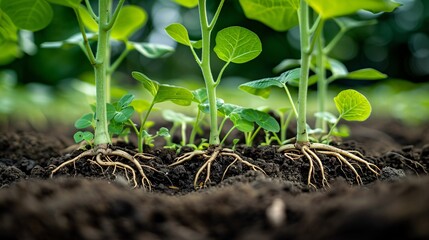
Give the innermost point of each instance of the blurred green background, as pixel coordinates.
(53, 85)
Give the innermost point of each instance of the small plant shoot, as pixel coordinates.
(351, 105)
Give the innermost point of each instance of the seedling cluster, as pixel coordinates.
(233, 45)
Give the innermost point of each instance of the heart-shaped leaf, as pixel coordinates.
(352, 105)
(279, 15)
(237, 45)
(81, 136)
(31, 15)
(263, 119)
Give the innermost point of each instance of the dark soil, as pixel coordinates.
(84, 201)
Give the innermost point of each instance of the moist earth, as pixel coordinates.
(87, 201)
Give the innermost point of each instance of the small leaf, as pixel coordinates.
(335, 8)
(178, 33)
(66, 3)
(125, 100)
(115, 128)
(123, 115)
(81, 136)
(263, 87)
(200, 95)
(187, 3)
(366, 74)
(227, 108)
(336, 67)
(148, 84)
(85, 121)
(152, 50)
(31, 15)
(197, 44)
(163, 132)
(279, 15)
(263, 119)
(178, 95)
(237, 45)
(352, 105)
(240, 123)
(110, 112)
(130, 19)
(74, 40)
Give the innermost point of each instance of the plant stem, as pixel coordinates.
(102, 137)
(207, 73)
(302, 134)
(322, 83)
(143, 122)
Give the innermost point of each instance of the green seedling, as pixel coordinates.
(111, 22)
(160, 93)
(262, 88)
(282, 15)
(233, 45)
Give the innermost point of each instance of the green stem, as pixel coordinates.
(195, 128)
(302, 135)
(207, 73)
(334, 41)
(102, 137)
(290, 100)
(322, 84)
(120, 59)
(143, 122)
(91, 12)
(87, 47)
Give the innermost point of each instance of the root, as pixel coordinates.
(209, 159)
(310, 153)
(103, 159)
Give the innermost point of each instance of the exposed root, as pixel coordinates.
(404, 161)
(310, 152)
(102, 158)
(209, 158)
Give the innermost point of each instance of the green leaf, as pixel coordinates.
(165, 92)
(178, 95)
(200, 95)
(237, 45)
(187, 3)
(227, 108)
(85, 121)
(178, 33)
(336, 67)
(163, 132)
(240, 123)
(31, 15)
(110, 112)
(130, 19)
(152, 50)
(74, 40)
(81, 136)
(279, 15)
(366, 74)
(126, 100)
(262, 87)
(66, 3)
(87, 20)
(263, 119)
(352, 105)
(148, 84)
(115, 128)
(123, 115)
(335, 8)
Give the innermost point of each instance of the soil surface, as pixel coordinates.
(84, 200)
